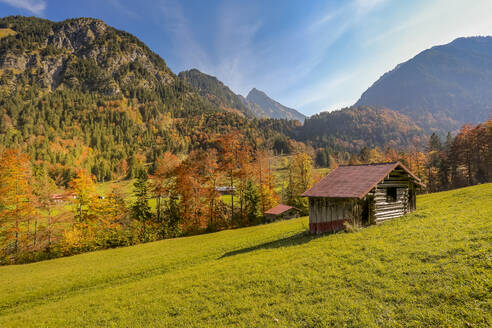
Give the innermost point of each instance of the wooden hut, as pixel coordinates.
(281, 212)
(226, 190)
(361, 195)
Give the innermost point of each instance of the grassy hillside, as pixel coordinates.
(431, 268)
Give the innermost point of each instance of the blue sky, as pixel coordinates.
(310, 55)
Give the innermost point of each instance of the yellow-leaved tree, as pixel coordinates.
(300, 178)
(268, 196)
(17, 204)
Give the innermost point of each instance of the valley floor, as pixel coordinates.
(430, 268)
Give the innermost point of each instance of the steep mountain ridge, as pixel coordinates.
(263, 106)
(441, 88)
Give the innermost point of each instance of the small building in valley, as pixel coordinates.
(226, 190)
(281, 212)
(61, 198)
(361, 195)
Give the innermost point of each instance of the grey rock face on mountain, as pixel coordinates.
(80, 53)
(441, 88)
(263, 106)
(254, 108)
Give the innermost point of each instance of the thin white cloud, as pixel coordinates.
(36, 7)
(367, 5)
(121, 7)
(320, 94)
(329, 17)
(323, 93)
(242, 62)
(172, 18)
(236, 51)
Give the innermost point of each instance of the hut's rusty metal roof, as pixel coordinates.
(355, 181)
(279, 209)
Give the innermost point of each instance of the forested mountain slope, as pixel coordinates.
(83, 54)
(215, 91)
(442, 87)
(352, 128)
(79, 93)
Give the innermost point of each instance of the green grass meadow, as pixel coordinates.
(432, 268)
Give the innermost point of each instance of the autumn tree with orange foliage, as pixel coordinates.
(472, 154)
(164, 188)
(17, 204)
(190, 201)
(455, 162)
(163, 179)
(210, 175)
(245, 180)
(229, 146)
(266, 181)
(44, 189)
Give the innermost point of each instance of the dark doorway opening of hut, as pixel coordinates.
(391, 193)
(367, 210)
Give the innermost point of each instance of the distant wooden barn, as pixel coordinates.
(361, 195)
(60, 198)
(281, 212)
(226, 190)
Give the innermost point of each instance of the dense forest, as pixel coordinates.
(111, 137)
(353, 128)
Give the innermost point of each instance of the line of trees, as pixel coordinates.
(455, 162)
(464, 160)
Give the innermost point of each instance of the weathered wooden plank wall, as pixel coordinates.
(329, 214)
(384, 209)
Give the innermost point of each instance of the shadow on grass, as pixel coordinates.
(294, 240)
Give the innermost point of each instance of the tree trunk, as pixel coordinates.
(159, 208)
(49, 227)
(231, 185)
(35, 232)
